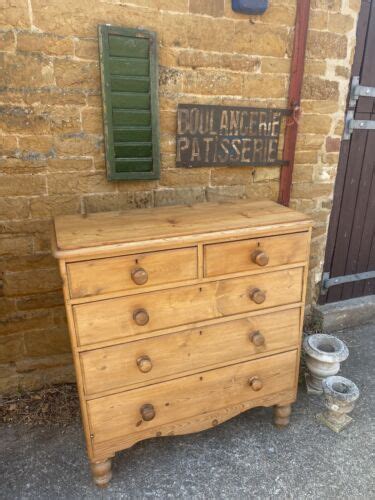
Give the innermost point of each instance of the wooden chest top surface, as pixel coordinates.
(110, 228)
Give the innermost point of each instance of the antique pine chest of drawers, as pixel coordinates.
(181, 317)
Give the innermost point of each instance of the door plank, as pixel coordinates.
(365, 104)
(349, 197)
(353, 263)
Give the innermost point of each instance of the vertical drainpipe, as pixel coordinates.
(294, 98)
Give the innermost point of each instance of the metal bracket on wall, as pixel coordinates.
(327, 282)
(357, 91)
(351, 124)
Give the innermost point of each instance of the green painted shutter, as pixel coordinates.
(129, 72)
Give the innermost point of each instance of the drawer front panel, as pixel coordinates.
(255, 254)
(118, 415)
(146, 360)
(127, 316)
(130, 272)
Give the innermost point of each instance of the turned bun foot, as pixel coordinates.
(281, 415)
(101, 472)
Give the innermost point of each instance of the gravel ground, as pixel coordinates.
(243, 458)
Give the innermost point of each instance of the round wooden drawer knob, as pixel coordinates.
(144, 364)
(255, 383)
(141, 317)
(139, 276)
(257, 295)
(260, 257)
(257, 338)
(147, 412)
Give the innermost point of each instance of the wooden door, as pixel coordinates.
(351, 237)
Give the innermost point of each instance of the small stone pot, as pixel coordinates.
(324, 353)
(340, 395)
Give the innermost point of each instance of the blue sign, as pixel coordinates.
(250, 6)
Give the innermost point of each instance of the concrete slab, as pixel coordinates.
(243, 458)
(345, 314)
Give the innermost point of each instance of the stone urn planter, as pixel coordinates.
(340, 395)
(324, 353)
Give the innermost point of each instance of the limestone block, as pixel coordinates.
(8, 145)
(83, 182)
(213, 8)
(318, 20)
(28, 282)
(7, 41)
(14, 14)
(52, 205)
(11, 347)
(77, 144)
(343, 71)
(92, 120)
(306, 157)
(36, 147)
(216, 34)
(185, 177)
(262, 190)
(310, 191)
(257, 39)
(262, 174)
(23, 119)
(319, 88)
(212, 82)
(275, 65)
(45, 44)
(64, 119)
(77, 74)
(25, 70)
(265, 86)
(11, 246)
(334, 5)
(39, 301)
(65, 165)
(232, 176)
(340, 23)
(310, 141)
(22, 185)
(169, 196)
(315, 124)
(319, 106)
(323, 45)
(86, 48)
(45, 342)
(14, 208)
(224, 193)
(235, 62)
(333, 144)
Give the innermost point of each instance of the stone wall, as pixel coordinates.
(52, 159)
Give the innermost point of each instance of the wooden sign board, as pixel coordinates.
(228, 136)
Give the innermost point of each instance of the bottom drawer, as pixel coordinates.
(114, 417)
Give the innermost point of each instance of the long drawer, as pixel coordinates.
(252, 254)
(146, 360)
(131, 272)
(128, 316)
(113, 417)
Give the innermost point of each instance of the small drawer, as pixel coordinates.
(249, 255)
(117, 416)
(131, 272)
(124, 317)
(146, 360)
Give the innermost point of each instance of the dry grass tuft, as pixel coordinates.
(57, 405)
